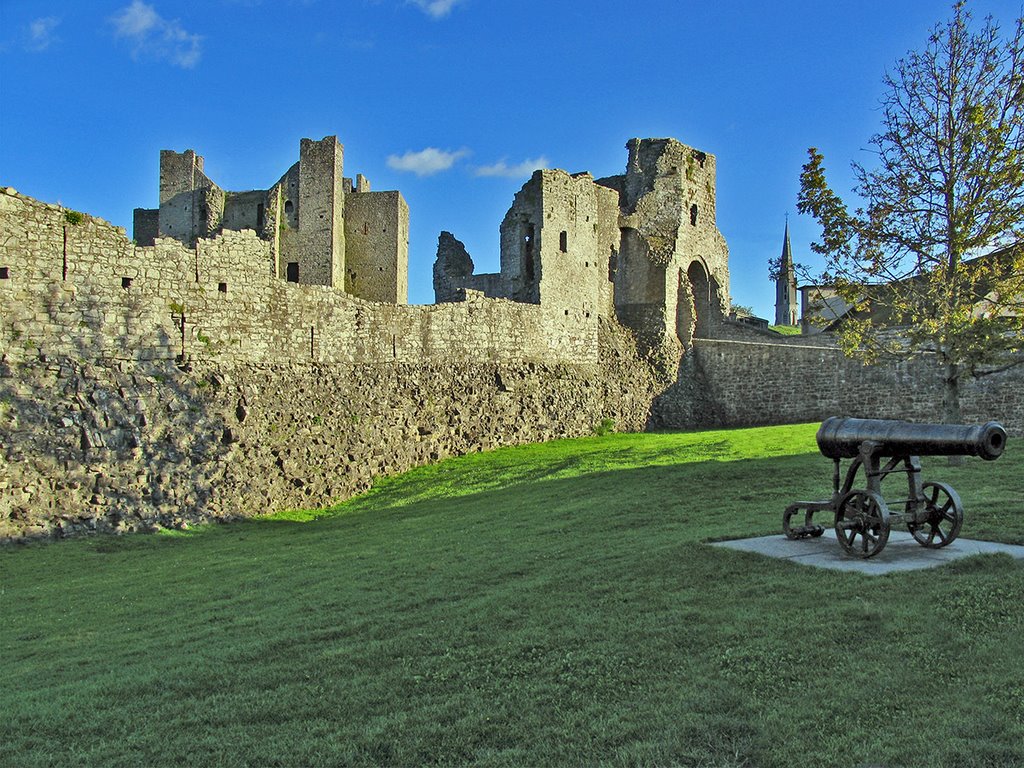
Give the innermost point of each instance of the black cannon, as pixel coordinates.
(931, 511)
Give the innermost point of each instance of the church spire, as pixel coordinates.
(785, 285)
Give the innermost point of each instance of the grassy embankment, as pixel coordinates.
(545, 605)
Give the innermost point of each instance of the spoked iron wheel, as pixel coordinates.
(862, 523)
(944, 514)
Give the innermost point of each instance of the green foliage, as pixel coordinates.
(786, 330)
(604, 427)
(948, 186)
(74, 218)
(542, 605)
(177, 308)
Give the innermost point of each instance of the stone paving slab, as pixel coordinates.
(901, 552)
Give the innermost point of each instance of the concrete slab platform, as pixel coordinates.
(901, 552)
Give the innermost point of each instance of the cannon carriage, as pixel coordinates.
(862, 516)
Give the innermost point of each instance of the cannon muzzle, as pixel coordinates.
(841, 438)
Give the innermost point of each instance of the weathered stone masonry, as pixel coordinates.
(292, 395)
(253, 351)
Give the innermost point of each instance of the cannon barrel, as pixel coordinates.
(841, 438)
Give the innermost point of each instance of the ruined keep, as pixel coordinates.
(642, 247)
(322, 229)
(254, 351)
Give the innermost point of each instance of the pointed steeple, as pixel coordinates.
(785, 285)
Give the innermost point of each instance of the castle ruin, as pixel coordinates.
(253, 351)
(642, 247)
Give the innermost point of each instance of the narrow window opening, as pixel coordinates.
(126, 283)
(222, 287)
(528, 251)
(693, 214)
(563, 241)
(567, 313)
(5, 273)
(203, 213)
(366, 229)
(259, 216)
(288, 206)
(293, 272)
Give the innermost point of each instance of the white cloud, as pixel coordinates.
(501, 168)
(155, 37)
(427, 161)
(436, 9)
(40, 33)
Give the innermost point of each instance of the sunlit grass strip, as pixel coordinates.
(561, 459)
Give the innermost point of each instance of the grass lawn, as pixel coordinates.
(545, 605)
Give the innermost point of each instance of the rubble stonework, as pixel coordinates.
(643, 247)
(161, 385)
(321, 229)
(253, 351)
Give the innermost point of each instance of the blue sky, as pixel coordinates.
(452, 101)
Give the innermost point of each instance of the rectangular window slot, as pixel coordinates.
(563, 241)
(126, 283)
(222, 287)
(5, 273)
(293, 272)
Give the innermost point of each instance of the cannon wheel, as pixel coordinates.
(945, 516)
(862, 514)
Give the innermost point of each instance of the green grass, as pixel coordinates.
(786, 330)
(544, 605)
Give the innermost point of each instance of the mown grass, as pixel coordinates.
(545, 605)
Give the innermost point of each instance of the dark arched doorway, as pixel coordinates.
(697, 303)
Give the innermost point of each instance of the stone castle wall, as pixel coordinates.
(377, 246)
(163, 385)
(748, 383)
(122, 301)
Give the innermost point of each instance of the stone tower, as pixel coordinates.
(785, 286)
